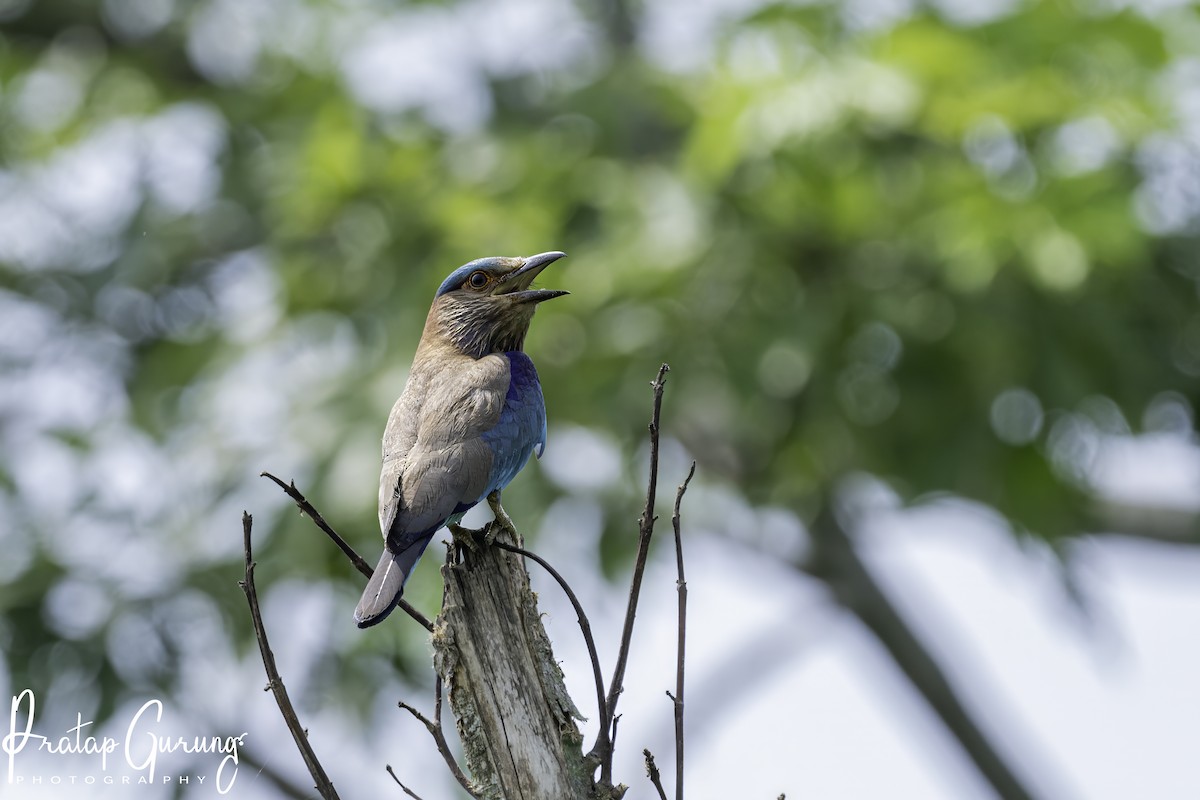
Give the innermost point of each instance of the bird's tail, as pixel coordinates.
(387, 584)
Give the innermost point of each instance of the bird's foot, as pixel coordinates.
(469, 538)
(501, 522)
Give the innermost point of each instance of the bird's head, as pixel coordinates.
(485, 306)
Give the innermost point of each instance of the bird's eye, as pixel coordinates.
(478, 280)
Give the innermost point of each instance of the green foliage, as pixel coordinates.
(847, 243)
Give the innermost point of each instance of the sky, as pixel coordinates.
(1086, 678)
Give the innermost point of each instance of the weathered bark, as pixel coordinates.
(514, 716)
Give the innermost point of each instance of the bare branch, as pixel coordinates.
(275, 682)
(645, 530)
(681, 646)
(429, 724)
(439, 739)
(307, 508)
(654, 775)
(407, 790)
(358, 561)
(584, 625)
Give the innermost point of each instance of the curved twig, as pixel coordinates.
(584, 625)
(274, 681)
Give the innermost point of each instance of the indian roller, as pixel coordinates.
(469, 417)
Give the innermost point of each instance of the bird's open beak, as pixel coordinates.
(516, 283)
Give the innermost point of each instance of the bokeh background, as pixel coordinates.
(925, 273)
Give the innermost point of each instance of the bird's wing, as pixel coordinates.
(521, 428)
(398, 439)
(446, 468)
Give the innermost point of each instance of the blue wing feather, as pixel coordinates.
(521, 429)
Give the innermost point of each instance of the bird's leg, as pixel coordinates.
(473, 538)
(502, 521)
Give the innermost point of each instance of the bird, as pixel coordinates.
(469, 417)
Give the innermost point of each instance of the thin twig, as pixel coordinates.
(407, 790)
(275, 682)
(358, 561)
(645, 530)
(439, 739)
(584, 625)
(681, 646)
(654, 775)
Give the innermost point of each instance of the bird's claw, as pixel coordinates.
(468, 538)
(478, 538)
